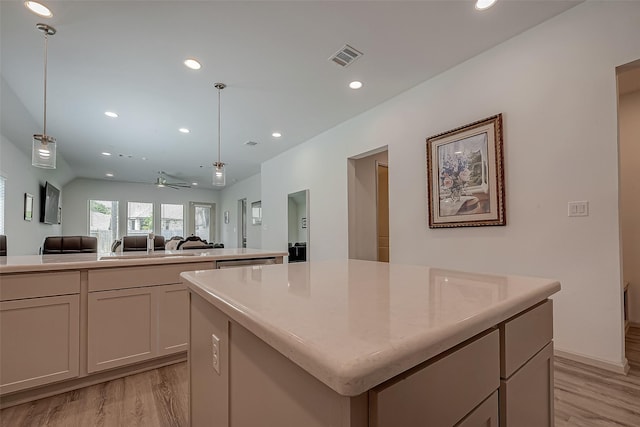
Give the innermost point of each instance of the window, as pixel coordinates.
(2, 186)
(139, 218)
(171, 220)
(103, 222)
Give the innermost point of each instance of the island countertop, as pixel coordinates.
(355, 324)
(57, 262)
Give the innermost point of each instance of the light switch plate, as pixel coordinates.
(580, 208)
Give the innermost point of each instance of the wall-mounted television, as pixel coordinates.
(50, 212)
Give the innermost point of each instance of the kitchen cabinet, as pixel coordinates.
(122, 327)
(173, 319)
(45, 347)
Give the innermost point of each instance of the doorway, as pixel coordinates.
(298, 226)
(242, 223)
(629, 162)
(202, 220)
(368, 205)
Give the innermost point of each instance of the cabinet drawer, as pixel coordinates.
(485, 415)
(134, 277)
(526, 399)
(20, 286)
(433, 394)
(523, 336)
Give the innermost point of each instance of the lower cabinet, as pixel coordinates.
(45, 348)
(127, 326)
(526, 398)
(173, 319)
(485, 415)
(121, 327)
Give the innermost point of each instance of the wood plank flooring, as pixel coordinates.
(156, 398)
(587, 396)
(584, 397)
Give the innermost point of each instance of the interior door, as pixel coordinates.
(382, 173)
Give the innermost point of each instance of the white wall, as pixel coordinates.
(18, 127)
(629, 121)
(555, 85)
(78, 192)
(246, 189)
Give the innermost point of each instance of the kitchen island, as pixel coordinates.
(358, 343)
(72, 320)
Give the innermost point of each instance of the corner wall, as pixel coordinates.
(250, 189)
(556, 87)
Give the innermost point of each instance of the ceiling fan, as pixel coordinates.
(162, 181)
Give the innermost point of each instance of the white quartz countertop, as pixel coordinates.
(33, 263)
(354, 324)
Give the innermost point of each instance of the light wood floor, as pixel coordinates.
(156, 398)
(584, 397)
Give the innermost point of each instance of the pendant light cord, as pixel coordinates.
(219, 125)
(44, 132)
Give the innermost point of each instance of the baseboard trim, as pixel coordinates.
(591, 361)
(25, 396)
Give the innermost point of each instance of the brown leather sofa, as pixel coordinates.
(70, 245)
(3, 245)
(139, 243)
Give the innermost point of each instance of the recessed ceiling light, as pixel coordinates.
(106, 154)
(38, 9)
(192, 63)
(108, 174)
(111, 114)
(194, 183)
(355, 85)
(276, 134)
(143, 158)
(184, 130)
(484, 4)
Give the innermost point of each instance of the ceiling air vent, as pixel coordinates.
(251, 143)
(345, 56)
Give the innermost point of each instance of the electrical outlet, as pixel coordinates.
(215, 350)
(579, 208)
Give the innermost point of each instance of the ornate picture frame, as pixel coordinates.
(465, 176)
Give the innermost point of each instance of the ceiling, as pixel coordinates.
(126, 56)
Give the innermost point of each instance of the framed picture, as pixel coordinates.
(226, 217)
(28, 207)
(465, 176)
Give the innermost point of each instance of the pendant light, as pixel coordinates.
(43, 154)
(218, 167)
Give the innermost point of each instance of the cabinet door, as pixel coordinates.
(526, 398)
(39, 338)
(173, 319)
(122, 328)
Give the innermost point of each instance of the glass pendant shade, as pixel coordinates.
(43, 154)
(218, 174)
